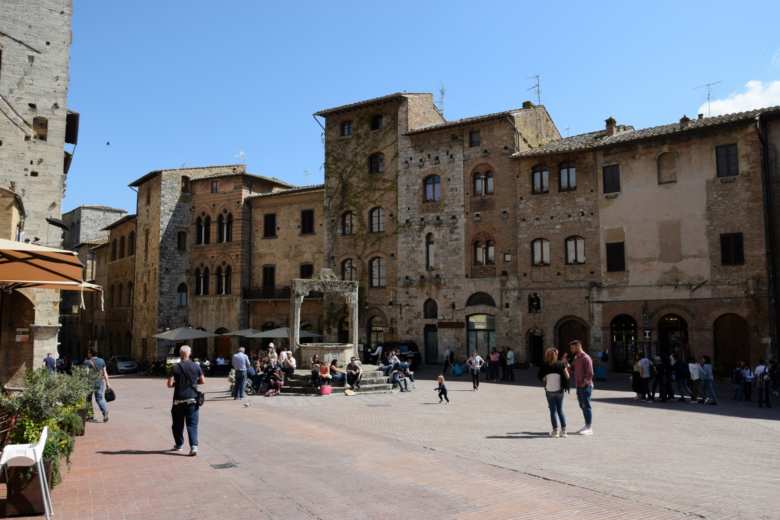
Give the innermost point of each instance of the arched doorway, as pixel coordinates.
(672, 336)
(622, 333)
(481, 334)
(431, 340)
(732, 342)
(375, 332)
(569, 329)
(223, 345)
(535, 342)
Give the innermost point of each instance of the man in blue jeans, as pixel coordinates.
(241, 364)
(583, 376)
(184, 376)
(97, 366)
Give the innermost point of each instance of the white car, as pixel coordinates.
(122, 365)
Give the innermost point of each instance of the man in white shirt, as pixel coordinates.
(695, 370)
(645, 374)
(475, 363)
(510, 365)
(763, 385)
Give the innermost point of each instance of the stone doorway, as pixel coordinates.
(569, 329)
(535, 342)
(732, 343)
(623, 342)
(672, 336)
(431, 338)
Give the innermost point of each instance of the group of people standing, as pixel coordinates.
(761, 378)
(267, 371)
(669, 375)
(500, 364)
(556, 373)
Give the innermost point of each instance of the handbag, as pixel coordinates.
(110, 394)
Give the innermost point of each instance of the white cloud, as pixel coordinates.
(757, 94)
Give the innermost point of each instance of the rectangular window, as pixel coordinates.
(568, 178)
(269, 225)
(269, 277)
(731, 249)
(307, 222)
(541, 180)
(307, 270)
(611, 178)
(727, 160)
(346, 128)
(474, 139)
(214, 186)
(616, 257)
(377, 121)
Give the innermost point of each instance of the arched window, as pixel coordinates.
(429, 252)
(479, 253)
(490, 252)
(198, 282)
(120, 298)
(113, 296)
(376, 220)
(229, 228)
(430, 309)
(348, 271)
(432, 188)
(575, 250)
(206, 279)
(181, 240)
(130, 293)
(667, 167)
(227, 284)
(220, 228)
(198, 231)
(220, 280)
(121, 247)
(483, 183)
(376, 331)
(113, 249)
(181, 295)
(540, 252)
(540, 179)
(347, 223)
(376, 163)
(207, 230)
(567, 178)
(131, 244)
(376, 270)
(480, 298)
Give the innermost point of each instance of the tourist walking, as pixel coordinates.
(50, 363)
(555, 377)
(707, 382)
(747, 382)
(442, 389)
(763, 384)
(583, 377)
(241, 364)
(511, 360)
(475, 363)
(97, 366)
(184, 376)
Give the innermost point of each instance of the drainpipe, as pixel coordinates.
(769, 230)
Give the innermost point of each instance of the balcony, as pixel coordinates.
(272, 293)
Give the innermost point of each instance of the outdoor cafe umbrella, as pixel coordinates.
(283, 333)
(244, 333)
(183, 334)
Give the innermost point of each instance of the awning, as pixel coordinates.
(183, 334)
(24, 265)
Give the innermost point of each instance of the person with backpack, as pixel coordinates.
(97, 366)
(186, 400)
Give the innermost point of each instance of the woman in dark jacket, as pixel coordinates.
(555, 377)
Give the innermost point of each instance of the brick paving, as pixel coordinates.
(486, 455)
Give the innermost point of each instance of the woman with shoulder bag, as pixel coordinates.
(555, 376)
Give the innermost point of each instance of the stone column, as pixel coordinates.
(297, 298)
(352, 300)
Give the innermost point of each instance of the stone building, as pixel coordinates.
(11, 215)
(172, 246)
(288, 242)
(35, 125)
(668, 264)
(115, 337)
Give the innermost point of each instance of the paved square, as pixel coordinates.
(486, 455)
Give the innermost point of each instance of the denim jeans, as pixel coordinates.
(182, 414)
(100, 397)
(238, 387)
(709, 390)
(555, 403)
(583, 398)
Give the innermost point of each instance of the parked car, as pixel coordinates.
(407, 351)
(122, 365)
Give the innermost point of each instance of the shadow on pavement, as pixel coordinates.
(724, 407)
(521, 435)
(142, 452)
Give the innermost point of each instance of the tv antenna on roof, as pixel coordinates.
(537, 86)
(708, 86)
(440, 102)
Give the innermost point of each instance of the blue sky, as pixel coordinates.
(170, 83)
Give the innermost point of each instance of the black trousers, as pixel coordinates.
(764, 393)
(443, 395)
(475, 378)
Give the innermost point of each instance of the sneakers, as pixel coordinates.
(176, 448)
(105, 418)
(555, 433)
(586, 430)
(563, 433)
(193, 451)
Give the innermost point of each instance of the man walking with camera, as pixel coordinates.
(184, 376)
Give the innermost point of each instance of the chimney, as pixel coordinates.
(684, 121)
(611, 126)
(701, 116)
(528, 104)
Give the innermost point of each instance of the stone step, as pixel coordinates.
(362, 392)
(308, 389)
(307, 381)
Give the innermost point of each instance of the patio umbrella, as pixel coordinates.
(183, 334)
(244, 333)
(283, 333)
